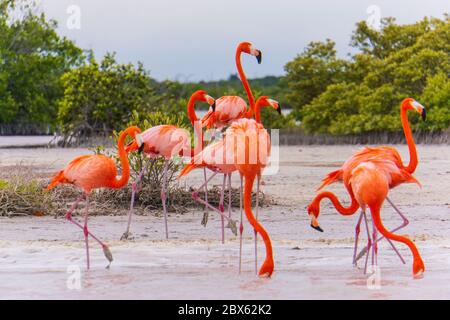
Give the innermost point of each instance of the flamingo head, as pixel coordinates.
(411, 104)
(202, 95)
(137, 143)
(248, 48)
(313, 212)
(265, 101)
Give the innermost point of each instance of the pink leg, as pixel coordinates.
(369, 241)
(164, 196)
(206, 213)
(241, 227)
(229, 195)
(69, 217)
(207, 205)
(357, 232)
(221, 207)
(404, 224)
(375, 246)
(86, 231)
(231, 222)
(134, 188)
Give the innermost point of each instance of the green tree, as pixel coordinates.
(311, 72)
(396, 62)
(101, 97)
(33, 57)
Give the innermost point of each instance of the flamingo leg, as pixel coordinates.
(86, 231)
(134, 189)
(196, 198)
(221, 207)
(206, 213)
(374, 247)
(369, 241)
(164, 196)
(241, 226)
(231, 222)
(229, 195)
(256, 217)
(357, 232)
(404, 224)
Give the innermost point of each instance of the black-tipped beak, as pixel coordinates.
(279, 110)
(259, 57)
(424, 114)
(141, 148)
(213, 106)
(317, 228)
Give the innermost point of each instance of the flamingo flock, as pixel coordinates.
(244, 149)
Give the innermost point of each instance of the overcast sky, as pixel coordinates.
(196, 39)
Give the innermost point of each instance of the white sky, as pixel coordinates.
(196, 39)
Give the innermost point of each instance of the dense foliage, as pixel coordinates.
(33, 57)
(362, 94)
(47, 81)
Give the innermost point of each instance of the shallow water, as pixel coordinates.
(39, 256)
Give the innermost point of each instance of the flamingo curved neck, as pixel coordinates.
(346, 211)
(251, 99)
(257, 110)
(409, 140)
(196, 124)
(248, 186)
(119, 183)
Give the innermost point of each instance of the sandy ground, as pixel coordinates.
(42, 257)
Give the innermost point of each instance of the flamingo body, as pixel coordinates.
(164, 140)
(228, 109)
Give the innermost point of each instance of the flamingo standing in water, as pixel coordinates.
(229, 109)
(370, 183)
(166, 141)
(91, 172)
(219, 158)
(399, 174)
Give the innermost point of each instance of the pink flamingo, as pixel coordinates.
(229, 109)
(91, 172)
(218, 157)
(166, 141)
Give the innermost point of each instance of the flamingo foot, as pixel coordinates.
(221, 208)
(128, 235)
(195, 195)
(108, 255)
(232, 224)
(205, 218)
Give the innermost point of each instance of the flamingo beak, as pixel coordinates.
(420, 109)
(140, 143)
(315, 223)
(141, 148)
(424, 114)
(213, 107)
(259, 56)
(279, 109)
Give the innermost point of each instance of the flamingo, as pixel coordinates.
(91, 172)
(398, 175)
(370, 183)
(218, 158)
(231, 108)
(228, 109)
(166, 141)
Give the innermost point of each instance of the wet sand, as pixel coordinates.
(36, 254)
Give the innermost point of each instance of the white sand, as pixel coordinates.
(35, 253)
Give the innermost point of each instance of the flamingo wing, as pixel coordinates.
(228, 109)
